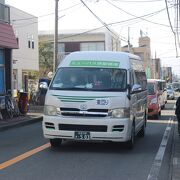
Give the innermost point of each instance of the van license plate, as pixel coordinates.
(82, 135)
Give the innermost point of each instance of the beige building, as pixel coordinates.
(156, 68)
(82, 40)
(26, 58)
(144, 51)
(166, 74)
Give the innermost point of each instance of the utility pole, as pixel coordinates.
(129, 39)
(56, 37)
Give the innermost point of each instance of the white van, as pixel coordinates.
(96, 96)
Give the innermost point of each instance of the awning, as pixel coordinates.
(7, 37)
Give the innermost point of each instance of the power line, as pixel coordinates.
(109, 24)
(134, 15)
(103, 23)
(27, 24)
(145, 1)
(23, 19)
(172, 28)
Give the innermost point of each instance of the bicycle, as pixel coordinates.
(11, 108)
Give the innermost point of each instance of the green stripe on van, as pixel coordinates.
(89, 63)
(79, 98)
(72, 100)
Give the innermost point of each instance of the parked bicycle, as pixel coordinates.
(11, 108)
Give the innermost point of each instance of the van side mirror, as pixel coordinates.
(43, 85)
(136, 88)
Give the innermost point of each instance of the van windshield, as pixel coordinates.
(89, 79)
(150, 88)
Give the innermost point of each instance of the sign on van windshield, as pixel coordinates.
(89, 63)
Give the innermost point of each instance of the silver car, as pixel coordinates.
(170, 92)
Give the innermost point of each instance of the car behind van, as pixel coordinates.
(154, 104)
(162, 92)
(98, 96)
(170, 92)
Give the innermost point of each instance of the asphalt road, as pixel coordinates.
(22, 156)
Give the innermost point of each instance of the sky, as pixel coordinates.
(123, 13)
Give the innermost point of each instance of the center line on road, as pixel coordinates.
(23, 156)
(155, 169)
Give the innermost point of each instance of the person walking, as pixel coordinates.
(177, 112)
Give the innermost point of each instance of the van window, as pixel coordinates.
(140, 78)
(95, 79)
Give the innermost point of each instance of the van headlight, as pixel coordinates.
(120, 113)
(153, 101)
(51, 110)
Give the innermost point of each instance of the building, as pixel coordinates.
(26, 58)
(166, 74)
(144, 51)
(82, 40)
(7, 43)
(156, 68)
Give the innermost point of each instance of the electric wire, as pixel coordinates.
(177, 21)
(27, 24)
(102, 22)
(109, 24)
(175, 40)
(133, 14)
(147, 1)
(23, 19)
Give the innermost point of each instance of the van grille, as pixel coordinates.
(86, 113)
(92, 128)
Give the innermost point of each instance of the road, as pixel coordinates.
(26, 155)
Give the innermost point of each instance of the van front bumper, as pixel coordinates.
(118, 130)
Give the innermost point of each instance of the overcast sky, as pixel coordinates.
(74, 15)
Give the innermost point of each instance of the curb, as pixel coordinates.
(21, 123)
(172, 151)
(175, 157)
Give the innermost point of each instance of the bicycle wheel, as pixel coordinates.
(9, 109)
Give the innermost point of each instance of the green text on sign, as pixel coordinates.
(88, 63)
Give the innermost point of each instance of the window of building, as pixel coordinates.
(32, 41)
(17, 39)
(15, 82)
(29, 44)
(33, 44)
(92, 46)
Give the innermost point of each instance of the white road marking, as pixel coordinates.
(154, 172)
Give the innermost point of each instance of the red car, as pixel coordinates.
(154, 107)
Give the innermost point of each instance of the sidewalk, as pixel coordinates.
(176, 154)
(34, 115)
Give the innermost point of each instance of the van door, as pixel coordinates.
(141, 97)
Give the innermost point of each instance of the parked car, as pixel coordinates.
(170, 92)
(154, 104)
(176, 86)
(162, 92)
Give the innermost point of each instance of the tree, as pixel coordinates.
(45, 58)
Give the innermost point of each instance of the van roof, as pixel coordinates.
(119, 58)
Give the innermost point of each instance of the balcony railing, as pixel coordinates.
(4, 13)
